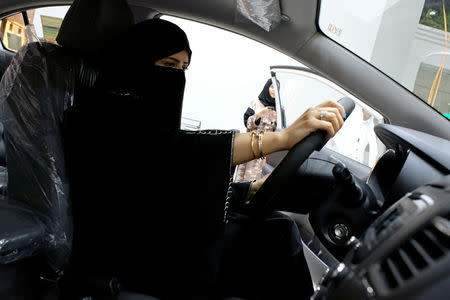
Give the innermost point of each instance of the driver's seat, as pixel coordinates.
(41, 84)
(38, 127)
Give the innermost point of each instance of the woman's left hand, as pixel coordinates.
(254, 187)
(327, 116)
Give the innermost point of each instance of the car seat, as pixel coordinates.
(41, 123)
(39, 86)
(5, 59)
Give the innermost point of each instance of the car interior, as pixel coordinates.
(380, 232)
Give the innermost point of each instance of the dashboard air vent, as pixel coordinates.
(419, 252)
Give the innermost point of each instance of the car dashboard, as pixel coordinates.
(395, 242)
(403, 254)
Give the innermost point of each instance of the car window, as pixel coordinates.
(226, 73)
(407, 40)
(32, 25)
(300, 89)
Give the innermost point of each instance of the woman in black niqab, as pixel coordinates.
(154, 214)
(160, 191)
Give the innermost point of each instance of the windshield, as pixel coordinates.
(407, 40)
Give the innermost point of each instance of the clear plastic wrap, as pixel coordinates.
(264, 13)
(35, 90)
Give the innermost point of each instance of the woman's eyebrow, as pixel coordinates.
(177, 60)
(174, 59)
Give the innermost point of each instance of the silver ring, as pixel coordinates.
(322, 115)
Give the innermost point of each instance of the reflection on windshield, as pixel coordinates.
(299, 90)
(434, 15)
(405, 39)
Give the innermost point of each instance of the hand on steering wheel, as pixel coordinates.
(313, 128)
(328, 116)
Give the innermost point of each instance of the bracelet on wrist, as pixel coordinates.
(252, 144)
(258, 136)
(260, 143)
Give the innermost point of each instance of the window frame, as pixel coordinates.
(25, 13)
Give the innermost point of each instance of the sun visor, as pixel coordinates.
(264, 13)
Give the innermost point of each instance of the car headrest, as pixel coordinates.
(91, 24)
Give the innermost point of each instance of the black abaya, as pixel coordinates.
(148, 198)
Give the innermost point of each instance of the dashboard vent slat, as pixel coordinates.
(422, 252)
(430, 246)
(409, 262)
(395, 272)
(415, 256)
(438, 243)
(393, 277)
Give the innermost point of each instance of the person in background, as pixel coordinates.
(359, 141)
(261, 116)
(367, 146)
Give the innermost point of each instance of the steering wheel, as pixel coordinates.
(260, 204)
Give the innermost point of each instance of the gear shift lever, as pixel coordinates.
(352, 193)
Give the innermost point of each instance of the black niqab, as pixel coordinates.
(159, 89)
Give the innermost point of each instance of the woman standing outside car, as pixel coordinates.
(260, 116)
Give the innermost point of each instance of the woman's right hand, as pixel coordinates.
(310, 121)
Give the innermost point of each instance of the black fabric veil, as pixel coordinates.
(157, 196)
(136, 75)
